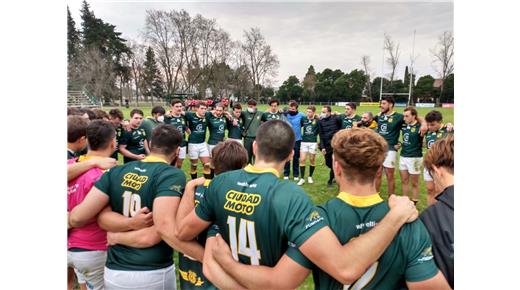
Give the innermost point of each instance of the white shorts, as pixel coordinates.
(308, 147)
(390, 159)
(426, 175)
(182, 153)
(89, 267)
(210, 149)
(411, 164)
(161, 279)
(197, 150)
(237, 140)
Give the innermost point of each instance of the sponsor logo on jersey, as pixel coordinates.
(134, 180)
(176, 187)
(383, 128)
(426, 255)
(390, 120)
(199, 128)
(191, 277)
(313, 219)
(241, 202)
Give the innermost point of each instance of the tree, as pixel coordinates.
(309, 85)
(424, 88)
(393, 60)
(290, 90)
(325, 88)
(73, 37)
(448, 94)
(260, 59)
(137, 64)
(356, 82)
(443, 57)
(365, 61)
(376, 87)
(152, 85)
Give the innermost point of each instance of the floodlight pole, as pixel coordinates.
(411, 70)
(382, 71)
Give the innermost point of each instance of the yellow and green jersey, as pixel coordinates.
(310, 129)
(407, 258)
(217, 128)
(180, 124)
(235, 132)
(347, 122)
(134, 141)
(412, 140)
(267, 116)
(190, 270)
(389, 127)
(148, 124)
(258, 214)
(197, 127)
(131, 187)
(431, 137)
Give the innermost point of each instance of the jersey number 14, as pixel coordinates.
(246, 243)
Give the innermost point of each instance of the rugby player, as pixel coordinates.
(116, 118)
(294, 118)
(227, 156)
(389, 124)
(129, 190)
(133, 144)
(258, 214)
(352, 215)
(217, 129)
(76, 135)
(411, 153)
(235, 124)
(436, 130)
(197, 146)
(176, 118)
(349, 117)
(367, 121)
(272, 113)
(151, 122)
(309, 144)
(87, 245)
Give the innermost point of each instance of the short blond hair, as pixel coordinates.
(360, 153)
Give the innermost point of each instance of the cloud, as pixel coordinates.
(333, 35)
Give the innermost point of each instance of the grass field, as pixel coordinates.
(319, 192)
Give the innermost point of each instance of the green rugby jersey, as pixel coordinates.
(258, 214)
(407, 258)
(346, 122)
(431, 137)
(389, 126)
(251, 122)
(119, 133)
(217, 128)
(197, 126)
(179, 123)
(412, 140)
(134, 141)
(133, 186)
(190, 271)
(310, 129)
(267, 116)
(235, 132)
(148, 125)
(71, 154)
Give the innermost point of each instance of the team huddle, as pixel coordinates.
(241, 226)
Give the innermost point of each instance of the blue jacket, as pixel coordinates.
(296, 125)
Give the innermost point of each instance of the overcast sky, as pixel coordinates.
(327, 35)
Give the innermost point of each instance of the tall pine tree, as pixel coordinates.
(73, 37)
(152, 81)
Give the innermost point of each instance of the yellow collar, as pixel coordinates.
(360, 201)
(86, 157)
(154, 159)
(250, 168)
(206, 182)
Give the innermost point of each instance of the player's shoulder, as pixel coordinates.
(286, 191)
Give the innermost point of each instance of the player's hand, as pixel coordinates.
(188, 130)
(323, 151)
(141, 156)
(104, 163)
(221, 252)
(449, 127)
(423, 129)
(403, 207)
(127, 126)
(235, 122)
(397, 146)
(142, 219)
(111, 238)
